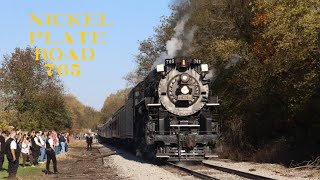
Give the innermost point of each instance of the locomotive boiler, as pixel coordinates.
(171, 114)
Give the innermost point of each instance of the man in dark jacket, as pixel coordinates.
(89, 139)
(36, 145)
(51, 156)
(62, 141)
(13, 152)
(3, 135)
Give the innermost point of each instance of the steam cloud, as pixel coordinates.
(232, 61)
(211, 75)
(175, 43)
(179, 43)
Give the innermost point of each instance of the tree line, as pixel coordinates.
(113, 102)
(30, 99)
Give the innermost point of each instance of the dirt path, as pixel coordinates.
(75, 165)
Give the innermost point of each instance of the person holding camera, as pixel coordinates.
(25, 151)
(13, 153)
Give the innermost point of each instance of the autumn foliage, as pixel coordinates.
(112, 103)
(30, 99)
(265, 60)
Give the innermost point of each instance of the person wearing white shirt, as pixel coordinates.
(37, 148)
(51, 154)
(42, 149)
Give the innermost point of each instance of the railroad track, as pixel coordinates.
(236, 172)
(192, 172)
(211, 175)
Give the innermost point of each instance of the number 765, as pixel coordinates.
(63, 69)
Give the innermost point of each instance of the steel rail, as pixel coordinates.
(236, 172)
(192, 172)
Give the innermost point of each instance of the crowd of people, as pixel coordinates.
(34, 146)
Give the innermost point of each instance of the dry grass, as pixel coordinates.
(77, 144)
(311, 164)
(272, 153)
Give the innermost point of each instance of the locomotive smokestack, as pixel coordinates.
(183, 63)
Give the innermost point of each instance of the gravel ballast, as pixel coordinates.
(129, 166)
(274, 171)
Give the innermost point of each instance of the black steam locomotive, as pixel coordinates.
(168, 115)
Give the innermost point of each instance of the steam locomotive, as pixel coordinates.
(170, 114)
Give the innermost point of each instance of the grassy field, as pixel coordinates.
(23, 173)
(36, 172)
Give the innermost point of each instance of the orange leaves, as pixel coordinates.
(260, 20)
(262, 48)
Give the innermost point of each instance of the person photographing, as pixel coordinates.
(25, 151)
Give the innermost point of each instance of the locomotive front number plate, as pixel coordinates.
(185, 97)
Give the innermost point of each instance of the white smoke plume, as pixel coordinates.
(160, 60)
(232, 61)
(180, 41)
(175, 43)
(188, 37)
(211, 75)
(190, 34)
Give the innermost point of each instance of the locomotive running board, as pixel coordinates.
(162, 156)
(184, 125)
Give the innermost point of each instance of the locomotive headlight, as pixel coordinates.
(185, 90)
(204, 68)
(160, 68)
(185, 78)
